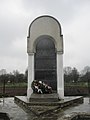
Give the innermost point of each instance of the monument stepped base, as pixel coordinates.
(40, 108)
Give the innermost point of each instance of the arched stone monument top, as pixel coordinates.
(44, 27)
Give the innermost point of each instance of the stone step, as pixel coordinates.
(44, 97)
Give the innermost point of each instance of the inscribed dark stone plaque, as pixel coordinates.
(45, 62)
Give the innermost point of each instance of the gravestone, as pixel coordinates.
(45, 54)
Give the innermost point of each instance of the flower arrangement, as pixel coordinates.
(40, 87)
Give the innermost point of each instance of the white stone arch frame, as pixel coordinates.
(45, 26)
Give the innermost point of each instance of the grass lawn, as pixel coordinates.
(81, 84)
(14, 85)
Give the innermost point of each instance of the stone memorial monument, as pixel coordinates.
(45, 69)
(45, 54)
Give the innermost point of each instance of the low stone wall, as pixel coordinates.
(68, 91)
(13, 91)
(76, 91)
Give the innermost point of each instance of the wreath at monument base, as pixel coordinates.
(40, 87)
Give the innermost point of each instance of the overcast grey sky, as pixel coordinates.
(16, 16)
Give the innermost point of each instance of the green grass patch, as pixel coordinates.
(83, 84)
(10, 85)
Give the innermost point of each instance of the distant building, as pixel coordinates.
(3, 71)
